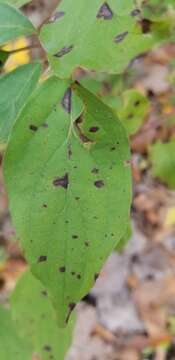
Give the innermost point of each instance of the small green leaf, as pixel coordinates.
(12, 347)
(13, 24)
(97, 35)
(69, 185)
(16, 3)
(133, 109)
(162, 156)
(35, 319)
(15, 88)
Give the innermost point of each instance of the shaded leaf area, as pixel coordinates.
(133, 110)
(13, 24)
(35, 319)
(162, 156)
(4, 55)
(98, 35)
(16, 3)
(68, 161)
(12, 346)
(15, 88)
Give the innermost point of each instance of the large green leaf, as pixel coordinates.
(35, 319)
(12, 347)
(13, 24)
(16, 3)
(15, 88)
(98, 35)
(162, 156)
(69, 187)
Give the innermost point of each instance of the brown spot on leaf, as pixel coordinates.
(42, 258)
(127, 163)
(33, 127)
(44, 205)
(87, 243)
(83, 137)
(73, 273)
(137, 103)
(121, 37)
(135, 12)
(66, 100)
(56, 16)
(94, 129)
(74, 236)
(77, 198)
(65, 50)
(47, 348)
(69, 151)
(78, 276)
(44, 293)
(95, 171)
(99, 183)
(62, 181)
(113, 148)
(105, 12)
(62, 269)
(146, 25)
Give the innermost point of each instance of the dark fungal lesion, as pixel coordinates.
(99, 183)
(95, 171)
(42, 258)
(62, 181)
(105, 12)
(65, 50)
(74, 236)
(62, 269)
(47, 348)
(94, 129)
(135, 12)
(66, 101)
(33, 127)
(120, 37)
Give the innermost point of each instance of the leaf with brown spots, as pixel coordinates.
(74, 233)
(98, 35)
(35, 319)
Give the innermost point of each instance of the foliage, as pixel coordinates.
(35, 319)
(67, 161)
(163, 161)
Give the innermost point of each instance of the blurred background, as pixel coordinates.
(130, 313)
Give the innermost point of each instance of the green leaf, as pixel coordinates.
(12, 347)
(15, 88)
(16, 3)
(35, 319)
(69, 186)
(13, 24)
(97, 35)
(162, 156)
(133, 110)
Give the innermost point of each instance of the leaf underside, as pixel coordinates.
(69, 185)
(79, 30)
